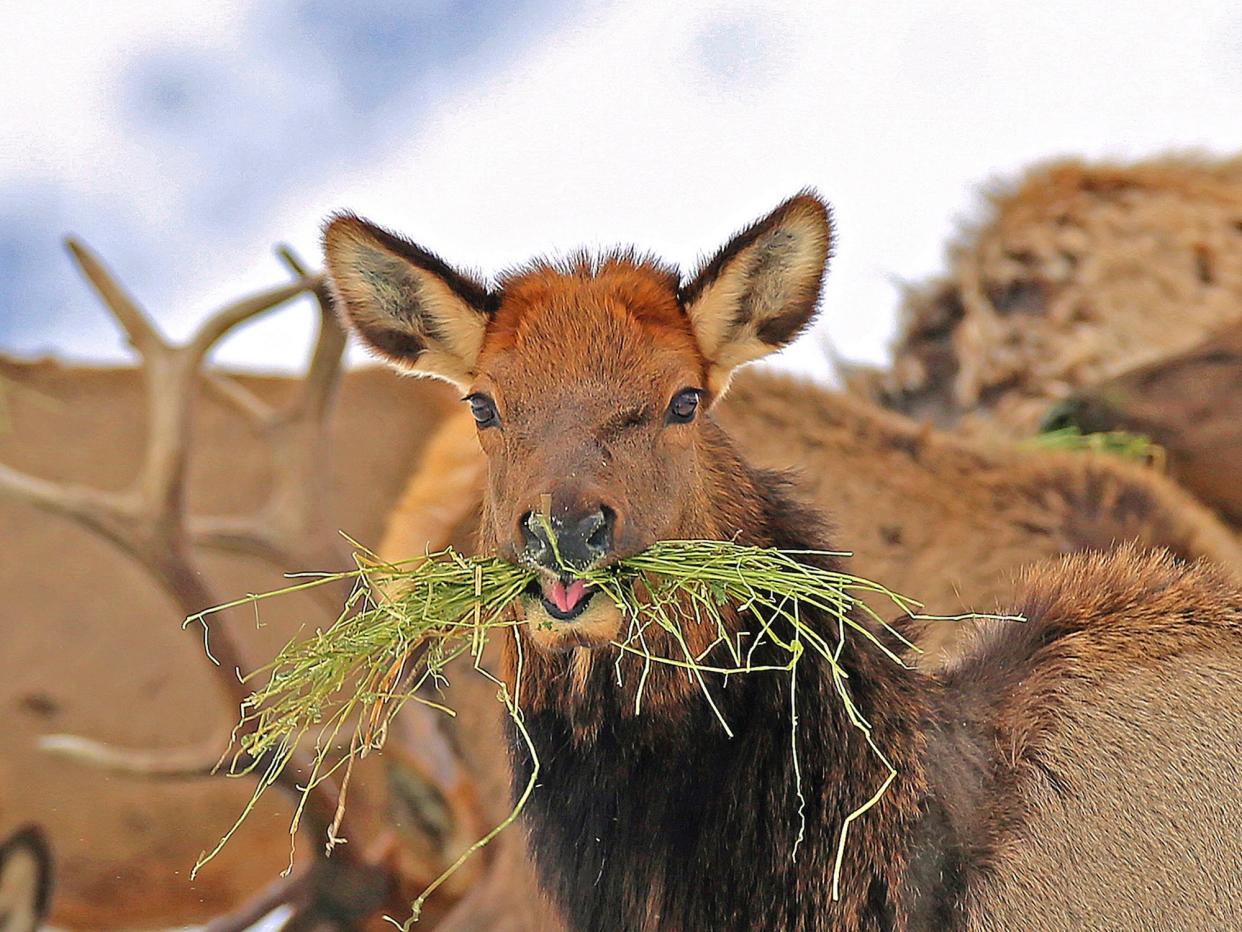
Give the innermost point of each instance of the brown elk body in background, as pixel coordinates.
(1190, 404)
(1036, 775)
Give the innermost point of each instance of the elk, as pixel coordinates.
(25, 880)
(1046, 779)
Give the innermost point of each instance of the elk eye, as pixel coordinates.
(483, 409)
(683, 406)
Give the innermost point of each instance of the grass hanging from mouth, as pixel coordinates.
(404, 624)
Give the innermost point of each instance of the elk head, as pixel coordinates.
(591, 381)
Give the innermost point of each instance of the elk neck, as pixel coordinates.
(660, 820)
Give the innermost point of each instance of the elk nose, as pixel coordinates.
(579, 540)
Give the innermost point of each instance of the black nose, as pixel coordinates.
(579, 540)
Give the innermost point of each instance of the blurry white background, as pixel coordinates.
(183, 139)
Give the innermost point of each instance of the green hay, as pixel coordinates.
(342, 686)
(1113, 443)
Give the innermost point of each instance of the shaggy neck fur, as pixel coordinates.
(662, 821)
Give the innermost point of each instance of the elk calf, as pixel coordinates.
(1073, 772)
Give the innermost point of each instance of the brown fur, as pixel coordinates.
(1076, 273)
(664, 821)
(1114, 719)
(950, 524)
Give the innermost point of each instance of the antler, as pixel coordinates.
(176, 764)
(148, 519)
(293, 528)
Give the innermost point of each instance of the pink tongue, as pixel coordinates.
(566, 598)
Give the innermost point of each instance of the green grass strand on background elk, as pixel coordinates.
(1120, 443)
(404, 624)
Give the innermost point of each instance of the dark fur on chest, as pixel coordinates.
(670, 824)
(664, 822)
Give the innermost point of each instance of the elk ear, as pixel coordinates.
(760, 291)
(405, 303)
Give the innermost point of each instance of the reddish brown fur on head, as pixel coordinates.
(585, 376)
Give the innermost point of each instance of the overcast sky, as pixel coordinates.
(182, 139)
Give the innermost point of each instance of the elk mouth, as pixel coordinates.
(563, 598)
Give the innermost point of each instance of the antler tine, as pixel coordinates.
(290, 258)
(243, 535)
(219, 324)
(139, 328)
(171, 764)
(103, 511)
(324, 370)
(241, 399)
(204, 761)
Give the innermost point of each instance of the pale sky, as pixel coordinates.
(183, 139)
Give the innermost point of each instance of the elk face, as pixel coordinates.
(590, 382)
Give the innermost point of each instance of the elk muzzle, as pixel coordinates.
(561, 608)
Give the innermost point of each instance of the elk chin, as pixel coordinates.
(597, 625)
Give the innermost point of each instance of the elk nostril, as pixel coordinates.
(532, 533)
(600, 539)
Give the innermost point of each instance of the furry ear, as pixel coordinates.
(405, 303)
(760, 290)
